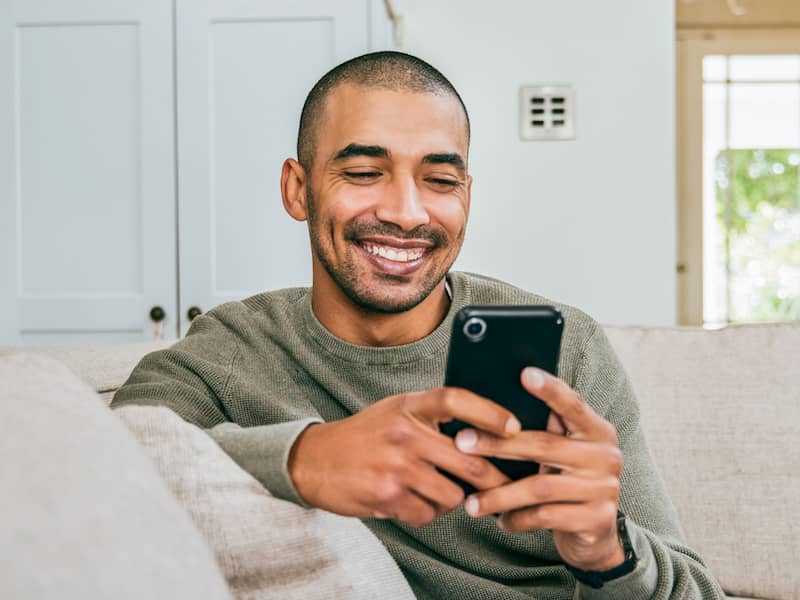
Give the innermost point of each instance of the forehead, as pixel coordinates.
(406, 123)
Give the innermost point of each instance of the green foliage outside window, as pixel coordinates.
(758, 203)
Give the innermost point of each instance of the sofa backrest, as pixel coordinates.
(721, 412)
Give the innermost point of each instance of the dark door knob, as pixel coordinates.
(193, 312)
(157, 314)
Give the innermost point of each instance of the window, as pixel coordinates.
(751, 196)
(739, 177)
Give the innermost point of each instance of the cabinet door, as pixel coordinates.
(244, 68)
(87, 189)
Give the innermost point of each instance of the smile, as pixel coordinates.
(395, 257)
(401, 255)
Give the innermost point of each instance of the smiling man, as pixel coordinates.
(331, 396)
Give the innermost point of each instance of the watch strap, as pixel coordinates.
(596, 579)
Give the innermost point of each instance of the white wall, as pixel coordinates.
(589, 222)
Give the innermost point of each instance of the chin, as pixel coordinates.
(386, 303)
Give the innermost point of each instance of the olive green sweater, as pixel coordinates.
(255, 373)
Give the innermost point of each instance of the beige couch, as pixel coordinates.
(87, 513)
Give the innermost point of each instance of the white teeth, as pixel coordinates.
(395, 255)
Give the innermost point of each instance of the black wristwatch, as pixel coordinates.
(596, 579)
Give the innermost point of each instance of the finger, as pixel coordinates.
(409, 508)
(545, 448)
(448, 403)
(440, 450)
(431, 485)
(541, 489)
(577, 416)
(555, 426)
(569, 518)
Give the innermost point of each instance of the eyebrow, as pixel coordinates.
(361, 150)
(446, 158)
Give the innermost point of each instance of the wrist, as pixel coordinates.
(610, 560)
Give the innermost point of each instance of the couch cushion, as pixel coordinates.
(267, 548)
(104, 367)
(721, 411)
(84, 512)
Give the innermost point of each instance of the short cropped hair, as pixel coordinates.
(387, 69)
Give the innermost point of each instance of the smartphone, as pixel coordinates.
(489, 348)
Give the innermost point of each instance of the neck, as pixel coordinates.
(356, 325)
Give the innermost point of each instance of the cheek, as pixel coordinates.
(345, 205)
(450, 214)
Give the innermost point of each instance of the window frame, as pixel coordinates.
(691, 47)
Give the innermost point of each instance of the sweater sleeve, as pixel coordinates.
(667, 568)
(191, 378)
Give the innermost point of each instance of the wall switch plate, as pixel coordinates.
(547, 112)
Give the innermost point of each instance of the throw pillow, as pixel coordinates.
(84, 512)
(267, 548)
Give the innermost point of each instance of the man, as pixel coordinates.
(331, 396)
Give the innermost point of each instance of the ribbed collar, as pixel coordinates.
(434, 342)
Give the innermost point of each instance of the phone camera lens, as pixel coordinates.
(475, 329)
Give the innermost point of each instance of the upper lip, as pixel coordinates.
(395, 243)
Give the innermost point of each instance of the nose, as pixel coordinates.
(402, 205)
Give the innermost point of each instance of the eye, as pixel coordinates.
(362, 174)
(444, 184)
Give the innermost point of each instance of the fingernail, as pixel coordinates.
(471, 505)
(534, 377)
(466, 439)
(512, 425)
(501, 522)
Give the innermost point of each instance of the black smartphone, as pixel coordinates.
(489, 348)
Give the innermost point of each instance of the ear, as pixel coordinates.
(293, 189)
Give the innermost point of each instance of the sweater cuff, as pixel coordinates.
(263, 451)
(639, 584)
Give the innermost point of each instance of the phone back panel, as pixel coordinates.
(515, 337)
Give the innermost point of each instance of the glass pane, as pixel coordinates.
(765, 115)
(763, 224)
(714, 67)
(714, 177)
(762, 67)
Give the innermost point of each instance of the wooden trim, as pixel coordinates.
(690, 184)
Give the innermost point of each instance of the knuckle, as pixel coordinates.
(543, 489)
(616, 460)
(449, 399)
(542, 513)
(476, 467)
(613, 488)
(609, 510)
(399, 432)
(547, 442)
(387, 489)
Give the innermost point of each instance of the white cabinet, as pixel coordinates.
(140, 153)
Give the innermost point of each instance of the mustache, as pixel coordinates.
(355, 230)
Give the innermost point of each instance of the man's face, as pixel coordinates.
(388, 194)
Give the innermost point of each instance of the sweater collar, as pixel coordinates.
(432, 344)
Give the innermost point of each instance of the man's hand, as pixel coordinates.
(381, 462)
(576, 492)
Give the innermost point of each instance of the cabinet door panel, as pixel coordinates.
(87, 200)
(244, 68)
